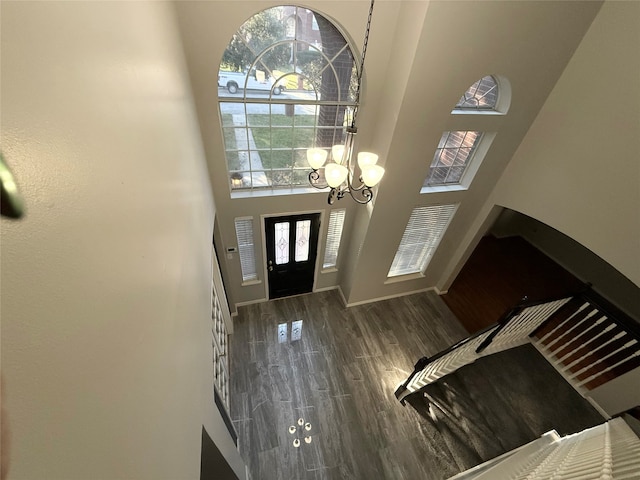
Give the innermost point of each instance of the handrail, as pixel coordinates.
(582, 290)
(614, 314)
(424, 361)
(631, 326)
(504, 320)
(496, 327)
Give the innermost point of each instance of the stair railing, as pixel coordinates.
(474, 340)
(592, 346)
(511, 330)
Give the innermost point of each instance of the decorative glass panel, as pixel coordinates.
(282, 242)
(302, 240)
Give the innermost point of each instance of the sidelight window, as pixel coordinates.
(334, 234)
(244, 235)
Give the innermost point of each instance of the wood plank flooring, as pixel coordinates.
(499, 273)
(339, 372)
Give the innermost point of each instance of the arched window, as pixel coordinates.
(480, 96)
(459, 153)
(285, 84)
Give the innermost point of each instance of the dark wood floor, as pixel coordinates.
(338, 372)
(499, 273)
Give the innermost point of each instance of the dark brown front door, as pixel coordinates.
(292, 244)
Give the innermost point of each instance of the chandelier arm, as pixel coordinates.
(366, 194)
(332, 196)
(314, 176)
(362, 186)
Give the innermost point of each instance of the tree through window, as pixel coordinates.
(286, 82)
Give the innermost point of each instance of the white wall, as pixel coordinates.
(106, 357)
(578, 168)
(417, 68)
(528, 44)
(206, 29)
(581, 262)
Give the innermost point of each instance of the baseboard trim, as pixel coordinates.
(440, 292)
(250, 302)
(389, 297)
(326, 289)
(343, 298)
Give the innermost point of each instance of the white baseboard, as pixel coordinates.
(326, 289)
(388, 297)
(344, 300)
(440, 292)
(250, 302)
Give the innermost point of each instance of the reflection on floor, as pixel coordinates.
(337, 371)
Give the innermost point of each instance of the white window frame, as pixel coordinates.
(472, 165)
(252, 177)
(501, 106)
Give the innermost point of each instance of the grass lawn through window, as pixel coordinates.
(277, 137)
(280, 139)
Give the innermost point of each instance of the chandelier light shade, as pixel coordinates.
(340, 170)
(316, 157)
(336, 174)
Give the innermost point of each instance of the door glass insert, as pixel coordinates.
(282, 242)
(302, 240)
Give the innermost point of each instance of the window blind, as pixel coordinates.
(421, 238)
(334, 234)
(244, 234)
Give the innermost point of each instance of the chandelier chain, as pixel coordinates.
(361, 69)
(341, 170)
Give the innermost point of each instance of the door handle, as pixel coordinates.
(270, 268)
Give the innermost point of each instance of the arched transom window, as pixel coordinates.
(451, 164)
(483, 94)
(285, 84)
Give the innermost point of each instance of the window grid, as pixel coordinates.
(421, 237)
(452, 157)
(266, 136)
(334, 234)
(482, 95)
(244, 235)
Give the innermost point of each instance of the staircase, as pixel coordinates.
(586, 339)
(587, 345)
(608, 451)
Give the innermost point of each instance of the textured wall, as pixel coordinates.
(106, 356)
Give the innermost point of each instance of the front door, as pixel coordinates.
(292, 244)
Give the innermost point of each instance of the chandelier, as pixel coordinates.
(339, 173)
